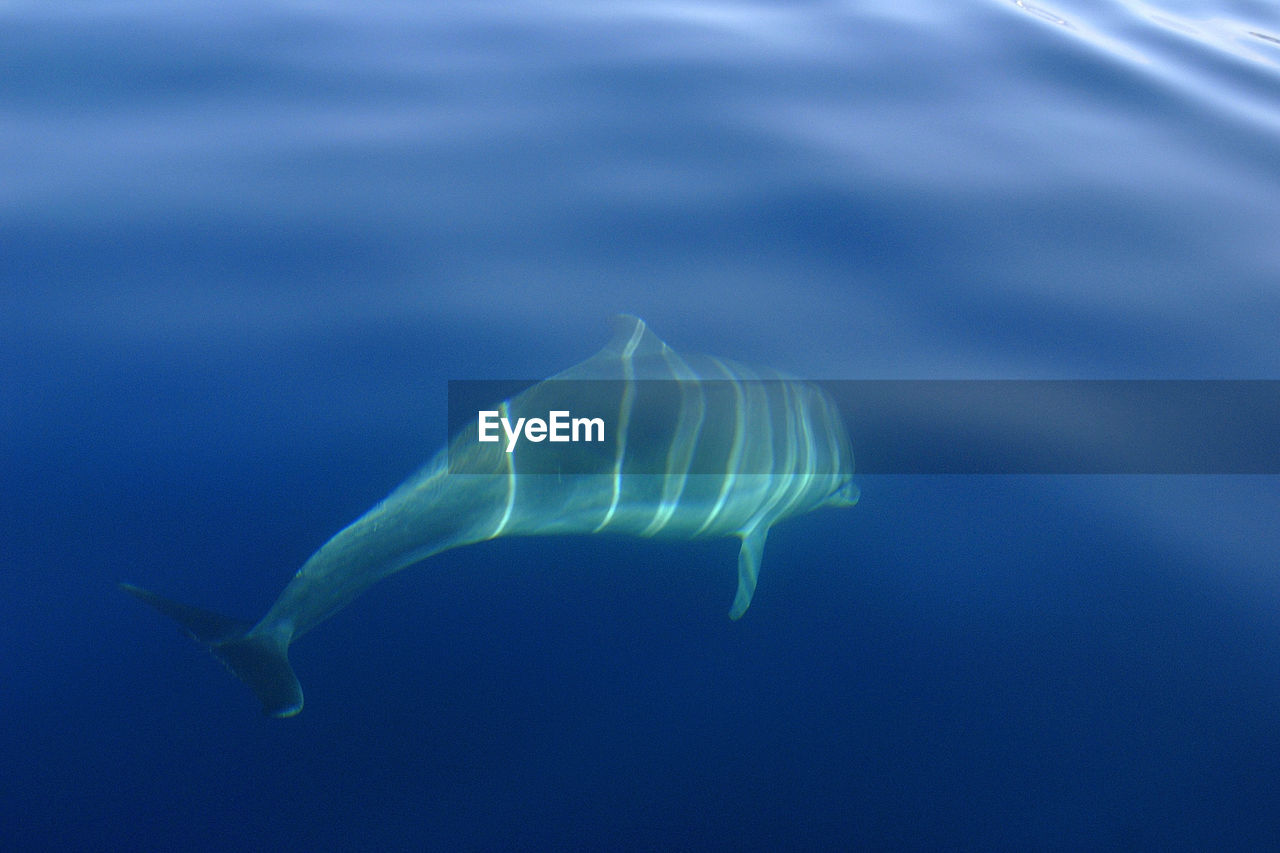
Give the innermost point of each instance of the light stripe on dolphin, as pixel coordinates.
(742, 449)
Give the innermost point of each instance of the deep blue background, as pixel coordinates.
(244, 246)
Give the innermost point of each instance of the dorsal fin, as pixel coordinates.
(631, 342)
(632, 337)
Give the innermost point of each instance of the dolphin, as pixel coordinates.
(713, 448)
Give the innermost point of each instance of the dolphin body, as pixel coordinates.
(739, 450)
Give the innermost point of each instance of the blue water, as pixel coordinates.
(244, 246)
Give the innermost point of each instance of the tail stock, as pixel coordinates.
(259, 660)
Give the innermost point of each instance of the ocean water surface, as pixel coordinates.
(244, 247)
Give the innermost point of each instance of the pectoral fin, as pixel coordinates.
(748, 569)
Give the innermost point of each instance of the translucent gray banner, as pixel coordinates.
(907, 426)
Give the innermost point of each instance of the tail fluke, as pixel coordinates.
(259, 660)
